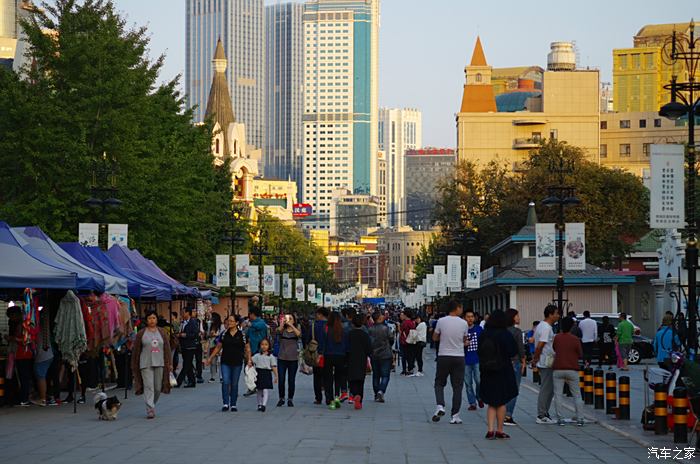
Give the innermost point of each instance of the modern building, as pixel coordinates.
(340, 101)
(640, 72)
(399, 130)
(626, 139)
(284, 91)
(239, 25)
(382, 188)
(505, 128)
(400, 246)
(425, 169)
(353, 215)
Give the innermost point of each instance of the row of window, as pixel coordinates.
(625, 150)
(627, 124)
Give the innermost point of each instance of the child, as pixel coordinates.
(265, 365)
(360, 348)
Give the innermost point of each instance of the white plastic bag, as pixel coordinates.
(173, 380)
(251, 375)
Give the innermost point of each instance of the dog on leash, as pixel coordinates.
(107, 407)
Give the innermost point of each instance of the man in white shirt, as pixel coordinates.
(589, 336)
(543, 360)
(452, 332)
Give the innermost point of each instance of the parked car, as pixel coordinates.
(642, 347)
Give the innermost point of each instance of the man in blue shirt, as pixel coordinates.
(530, 340)
(472, 378)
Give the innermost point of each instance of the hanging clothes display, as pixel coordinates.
(69, 329)
(111, 306)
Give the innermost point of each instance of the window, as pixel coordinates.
(603, 151)
(536, 136)
(478, 77)
(657, 122)
(624, 124)
(646, 149)
(625, 150)
(642, 123)
(603, 125)
(553, 133)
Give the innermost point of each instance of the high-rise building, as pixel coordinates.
(239, 25)
(639, 73)
(399, 130)
(425, 169)
(340, 101)
(284, 91)
(382, 185)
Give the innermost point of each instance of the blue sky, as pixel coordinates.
(424, 45)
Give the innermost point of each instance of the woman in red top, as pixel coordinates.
(24, 358)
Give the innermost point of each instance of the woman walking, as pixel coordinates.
(151, 363)
(213, 331)
(421, 339)
(335, 360)
(288, 359)
(360, 348)
(519, 360)
(496, 349)
(233, 348)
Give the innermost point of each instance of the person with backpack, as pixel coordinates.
(496, 349)
(665, 342)
(382, 338)
(313, 352)
(568, 350)
(359, 349)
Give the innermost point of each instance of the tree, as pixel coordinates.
(91, 90)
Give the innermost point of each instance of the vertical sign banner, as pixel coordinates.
(327, 300)
(667, 197)
(118, 234)
(268, 279)
(440, 279)
(319, 296)
(278, 284)
(89, 234)
(454, 272)
(286, 287)
(242, 270)
(223, 276)
(430, 289)
(473, 271)
(575, 246)
(299, 290)
(546, 247)
(253, 279)
(311, 293)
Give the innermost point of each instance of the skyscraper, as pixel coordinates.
(399, 130)
(284, 91)
(239, 24)
(340, 100)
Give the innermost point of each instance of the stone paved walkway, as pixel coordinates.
(190, 428)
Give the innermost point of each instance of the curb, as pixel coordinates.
(604, 424)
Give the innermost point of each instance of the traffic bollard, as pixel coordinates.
(598, 391)
(588, 386)
(624, 397)
(610, 393)
(680, 415)
(660, 409)
(581, 383)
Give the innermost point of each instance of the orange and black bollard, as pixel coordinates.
(581, 383)
(588, 386)
(680, 415)
(598, 391)
(660, 409)
(610, 393)
(624, 389)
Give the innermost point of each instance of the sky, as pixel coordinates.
(425, 45)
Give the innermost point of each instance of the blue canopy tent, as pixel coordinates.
(18, 269)
(123, 259)
(38, 240)
(94, 257)
(84, 279)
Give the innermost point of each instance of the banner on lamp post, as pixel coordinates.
(311, 293)
(440, 280)
(430, 289)
(299, 290)
(89, 234)
(268, 279)
(575, 246)
(545, 247)
(454, 272)
(286, 287)
(327, 300)
(223, 276)
(319, 296)
(278, 285)
(667, 208)
(118, 234)
(473, 272)
(242, 270)
(253, 279)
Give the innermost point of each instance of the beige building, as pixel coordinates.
(508, 126)
(399, 247)
(276, 197)
(382, 187)
(626, 138)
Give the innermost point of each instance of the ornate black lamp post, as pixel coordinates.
(683, 49)
(259, 250)
(103, 191)
(235, 240)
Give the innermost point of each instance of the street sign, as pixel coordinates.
(667, 197)
(300, 210)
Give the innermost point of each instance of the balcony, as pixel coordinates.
(529, 122)
(526, 144)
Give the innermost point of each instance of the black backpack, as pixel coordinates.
(489, 352)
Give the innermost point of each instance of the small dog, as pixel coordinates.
(107, 408)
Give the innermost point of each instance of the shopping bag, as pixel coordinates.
(173, 380)
(305, 368)
(251, 376)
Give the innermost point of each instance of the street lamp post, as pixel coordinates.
(683, 49)
(259, 251)
(103, 190)
(235, 240)
(561, 196)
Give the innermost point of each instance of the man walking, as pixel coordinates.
(543, 359)
(189, 333)
(452, 332)
(589, 336)
(472, 378)
(625, 330)
(257, 332)
(568, 351)
(381, 357)
(405, 348)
